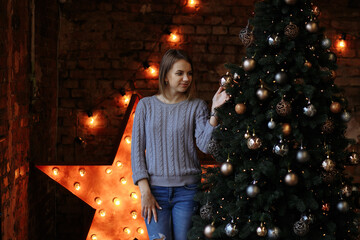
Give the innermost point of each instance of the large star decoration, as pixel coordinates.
(108, 189)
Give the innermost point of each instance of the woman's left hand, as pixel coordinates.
(219, 98)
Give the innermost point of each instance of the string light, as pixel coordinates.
(102, 213)
(123, 180)
(119, 164)
(55, 171)
(173, 37)
(192, 3)
(82, 172)
(98, 200)
(116, 201)
(126, 100)
(341, 44)
(108, 171)
(133, 195)
(94, 237)
(127, 139)
(140, 230)
(77, 186)
(134, 214)
(127, 230)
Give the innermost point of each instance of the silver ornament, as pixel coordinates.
(249, 64)
(271, 124)
(273, 40)
(309, 110)
(301, 228)
(328, 164)
(209, 230)
(261, 231)
(247, 135)
(273, 233)
(326, 43)
(346, 116)
(291, 179)
(226, 79)
(231, 229)
(262, 93)
(252, 190)
(309, 219)
(226, 168)
(302, 155)
(343, 206)
(281, 148)
(281, 77)
(354, 158)
(312, 27)
(206, 212)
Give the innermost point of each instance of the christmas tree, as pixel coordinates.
(280, 144)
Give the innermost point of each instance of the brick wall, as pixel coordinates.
(85, 52)
(15, 118)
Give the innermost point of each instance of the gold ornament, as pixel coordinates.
(209, 230)
(249, 64)
(254, 142)
(331, 57)
(240, 108)
(261, 231)
(246, 36)
(226, 80)
(247, 134)
(328, 126)
(328, 164)
(291, 31)
(315, 10)
(286, 129)
(312, 27)
(291, 179)
(335, 107)
(226, 168)
(346, 190)
(262, 93)
(283, 108)
(307, 64)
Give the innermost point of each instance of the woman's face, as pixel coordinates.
(179, 77)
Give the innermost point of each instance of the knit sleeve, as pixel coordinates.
(203, 128)
(138, 143)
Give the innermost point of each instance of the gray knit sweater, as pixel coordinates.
(168, 132)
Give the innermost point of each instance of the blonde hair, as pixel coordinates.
(167, 61)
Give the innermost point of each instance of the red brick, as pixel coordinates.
(219, 30)
(186, 29)
(203, 29)
(70, 84)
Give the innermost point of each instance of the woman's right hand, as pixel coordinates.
(149, 206)
(148, 201)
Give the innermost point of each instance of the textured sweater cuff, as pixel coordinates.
(138, 176)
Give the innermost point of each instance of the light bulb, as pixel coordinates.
(82, 172)
(119, 164)
(341, 44)
(94, 237)
(108, 171)
(91, 121)
(127, 139)
(134, 214)
(77, 186)
(140, 230)
(116, 201)
(98, 200)
(192, 3)
(127, 230)
(102, 213)
(123, 180)
(55, 171)
(173, 36)
(133, 195)
(126, 100)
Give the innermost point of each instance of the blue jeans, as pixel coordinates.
(174, 219)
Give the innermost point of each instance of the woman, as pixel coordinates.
(166, 126)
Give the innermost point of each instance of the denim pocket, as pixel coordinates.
(194, 186)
